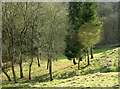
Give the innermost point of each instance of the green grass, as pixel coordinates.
(102, 72)
(91, 80)
(103, 49)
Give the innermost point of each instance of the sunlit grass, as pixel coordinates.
(67, 74)
(103, 49)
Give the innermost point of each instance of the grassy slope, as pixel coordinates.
(103, 49)
(101, 73)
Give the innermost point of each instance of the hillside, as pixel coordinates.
(102, 72)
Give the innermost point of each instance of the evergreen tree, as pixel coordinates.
(89, 32)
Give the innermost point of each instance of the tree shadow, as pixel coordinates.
(84, 67)
(46, 78)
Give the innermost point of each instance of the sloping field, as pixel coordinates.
(102, 72)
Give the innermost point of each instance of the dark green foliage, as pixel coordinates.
(73, 45)
(79, 14)
(71, 48)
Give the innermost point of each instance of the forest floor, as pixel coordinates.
(102, 72)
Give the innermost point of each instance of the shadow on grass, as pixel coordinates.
(56, 75)
(84, 67)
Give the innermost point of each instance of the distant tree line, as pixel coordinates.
(108, 11)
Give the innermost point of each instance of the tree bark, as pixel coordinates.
(21, 71)
(88, 57)
(50, 68)
(30, 68)
(74, 62)
(13, 71)
(91, 52)
(9, 79)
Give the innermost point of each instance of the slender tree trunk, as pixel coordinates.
(11, 43)
(48, 64)
(91, 52)
(31, 54)
(50, 68)
(74, 62)
(40, 57)
(20, 63)
(56, 59)
(79, 59)
(21, 71)
(13, 71)
(9, 79)
(78, 63)
(38, 60)
(30, 68)
(88, 57)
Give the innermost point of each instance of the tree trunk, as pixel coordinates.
(9, 79)
(11, 55)
(88, 57)
(50, 68)
(48, 64)
(30, 68)
(91, 52)
(31, 54)
(21, 71)
(14, 75)
(74, 61)
(40, 57)
(38, 60)
(78, 64)
(56, 59)
(79, 59)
